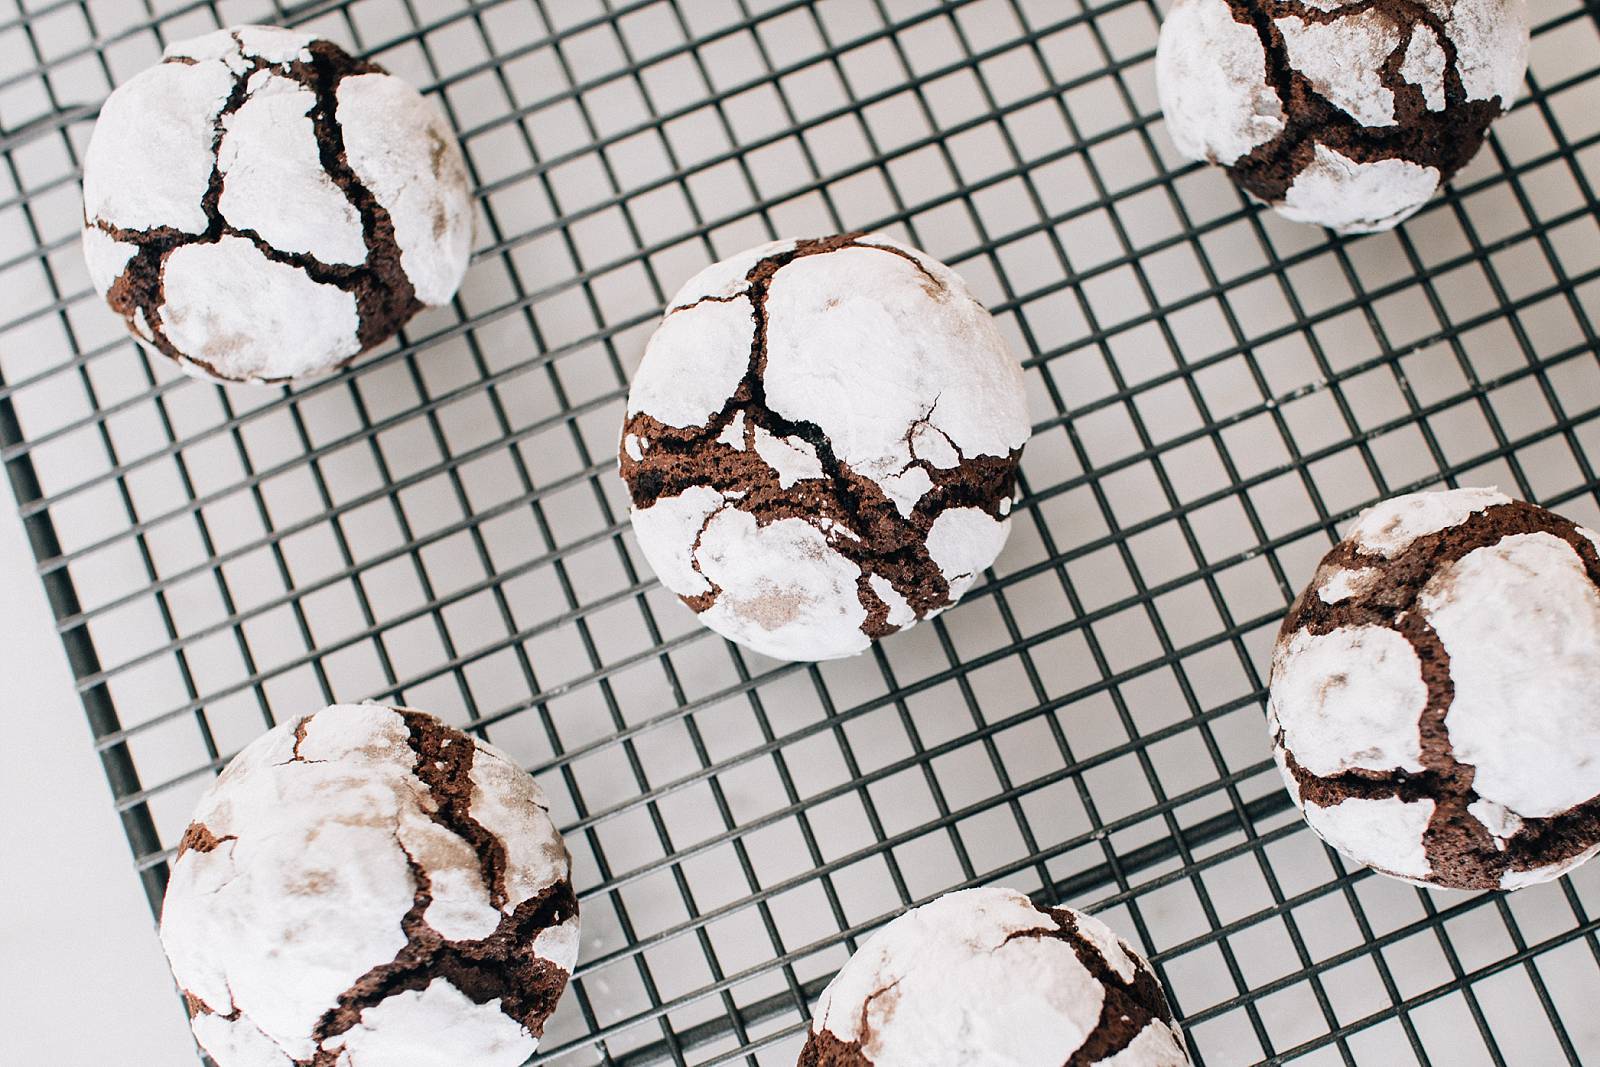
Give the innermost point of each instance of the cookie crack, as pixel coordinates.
(1390, 601)
(199, 838)
(891, 546)
(1444, 140)
(1128, 1007)
(444, 765)
(501, 966)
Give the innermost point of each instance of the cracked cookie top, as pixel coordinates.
(821, 443)
(1433, 692)
(1342, 113)
(984, 978)
(261, 206)
(365, 882)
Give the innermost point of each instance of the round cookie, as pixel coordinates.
(1433, 702)
(821, 444)
(983, 978)
(366, 886)
(260, 206)
(1343, 113)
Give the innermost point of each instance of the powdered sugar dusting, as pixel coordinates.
(1500, 821)
(273, 181)
(1356, 696)
(511, 806)
(434, 1026)
(793, 458)
(725, 278)
(936, 357)
(1339, 584)
(1521, 622)
(249, 317)
(238, 1042)
(1491, 38)
(1385, 833)
(784, 592)
(693, 363)
(900, 612)
(402, 150)
(1343, 59)
(1424, 66)
(668, 531)
(963, 541)
(1211, 76)
(1350, 197)
(105, 256)
(149, 161)
(1157, 1045)
(274, 43)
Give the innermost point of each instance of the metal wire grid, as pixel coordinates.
(1215, 392)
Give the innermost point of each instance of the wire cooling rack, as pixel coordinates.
(1215, 392)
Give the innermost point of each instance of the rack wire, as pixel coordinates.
(1215, 393)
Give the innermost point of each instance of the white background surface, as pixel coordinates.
(76, 929)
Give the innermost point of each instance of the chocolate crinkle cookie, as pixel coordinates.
(365, 887)
(261, 206)
(1344, 113)
(984, 978)
(821, 444)
(1434, 700)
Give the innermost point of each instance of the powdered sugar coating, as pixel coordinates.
(784, 591)
(1389, 527)
(1353, 197)
(693, 363)
(297, 873)
(272, 176)
(237, 1042)
(105, 256)
(1384, 833)
(1492, 40)
(435, 1026)
(1521, 622)
(1357, 695)
(323, 164)
(1335, 585)
(1342, 59)
(1424, 66)
(812, 385)
(1211, 76)
(981, 977)
(149, 161)
(937, 360)
(401, 149)
(963, 541)
(237, 314)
